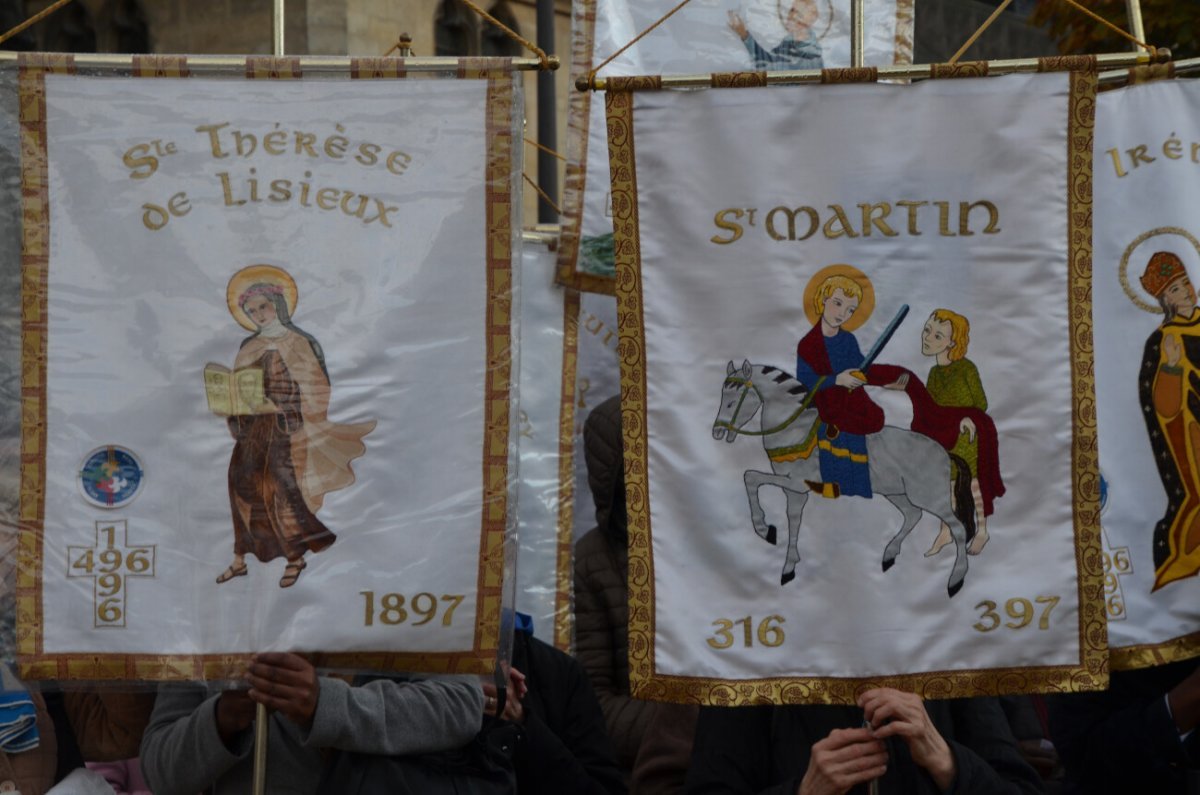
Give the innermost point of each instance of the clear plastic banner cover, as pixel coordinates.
(543, 530)
(266, 346)
(598, 377)
(705, 36)
(1147, 239)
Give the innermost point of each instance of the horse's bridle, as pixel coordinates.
(747, 385)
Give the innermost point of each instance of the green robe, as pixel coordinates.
(957, 384)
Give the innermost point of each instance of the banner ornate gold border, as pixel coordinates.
(160, 66)
(35, 261)
(33, 662)
(1128, 658)
(564, 612)
(1093, 620)
(1091, 671)
(269, 67)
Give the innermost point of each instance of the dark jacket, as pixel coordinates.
(1123, 740)
(601, 592)
(767, 749)
(563, 746)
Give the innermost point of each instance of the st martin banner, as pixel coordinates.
(267, 348)
(1147, 240)
(860, 446)
(706, 36)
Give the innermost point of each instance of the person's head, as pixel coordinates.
(263, 302)
(836, 299)
(947, 332)
(1166, 279)
(800, 18)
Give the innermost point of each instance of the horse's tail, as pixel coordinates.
(964, 501)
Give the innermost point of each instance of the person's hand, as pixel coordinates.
(286, 683)
(1184, 701)
(967, 426)
(893, 713)
(513, 709)
(1040, 755)
(738, 25)
(848, 379)
(1173, 349)
(844, 759)
(235, 713)
(899, 384)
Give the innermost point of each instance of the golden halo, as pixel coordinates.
(1123, 272)
(779, 4)
(253, 274)
(865, 307)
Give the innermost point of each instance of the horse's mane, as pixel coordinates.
(782, 377)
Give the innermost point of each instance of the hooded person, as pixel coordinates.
(601, 587)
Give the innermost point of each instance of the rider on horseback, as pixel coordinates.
(827, 362)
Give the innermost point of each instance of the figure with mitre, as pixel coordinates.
(287, 455)
(1169, 392)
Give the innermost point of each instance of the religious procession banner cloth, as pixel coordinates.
(267, 348)
(1147, 254)
(729, 36)
(832, 345)
(545, 423)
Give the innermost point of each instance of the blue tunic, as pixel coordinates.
(788, 54)
(843, 458)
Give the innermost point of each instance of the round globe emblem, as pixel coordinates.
(110, 476)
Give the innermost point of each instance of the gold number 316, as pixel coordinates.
(770, 633)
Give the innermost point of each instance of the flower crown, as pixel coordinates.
(269, 290)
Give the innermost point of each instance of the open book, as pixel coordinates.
(235, 393)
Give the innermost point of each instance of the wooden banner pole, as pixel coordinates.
(279, 28)
(858, 36)
(261, 723)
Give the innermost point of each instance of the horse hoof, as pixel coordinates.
(787, 577)
(953, 589)
(771, 536)
(888, 563)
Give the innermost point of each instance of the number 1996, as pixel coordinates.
(393, 608)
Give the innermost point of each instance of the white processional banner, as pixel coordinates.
(859, 438)
(707, 36)
(266, 367)
(1147, 246)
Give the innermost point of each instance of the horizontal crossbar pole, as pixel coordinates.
(909, 72)
(308, 63)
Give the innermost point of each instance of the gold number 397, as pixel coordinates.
(1020, 610)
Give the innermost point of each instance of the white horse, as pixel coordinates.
(909, 469)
